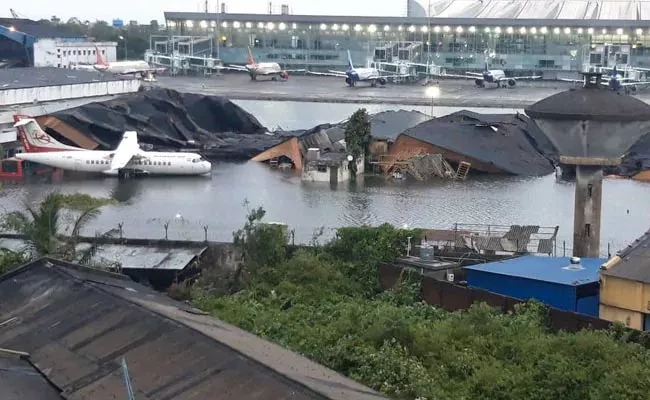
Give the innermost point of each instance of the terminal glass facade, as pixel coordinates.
(314, 44)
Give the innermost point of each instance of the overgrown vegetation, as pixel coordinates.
(53, 228)
(357, 137)
(326, 304)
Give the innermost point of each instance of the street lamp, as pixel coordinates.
(122, 38)
(591, 127)
(433, 92)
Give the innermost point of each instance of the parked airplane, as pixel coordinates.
(497, 76)
(267, 69)
(139, 67)
(614, 81)
(353, 75)
(127, 160)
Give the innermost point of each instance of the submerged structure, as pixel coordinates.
(490, 143)
(591, 127)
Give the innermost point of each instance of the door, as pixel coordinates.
(77, 164)
(334, 174)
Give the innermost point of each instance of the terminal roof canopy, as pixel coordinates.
(540, 9)
(38, 29)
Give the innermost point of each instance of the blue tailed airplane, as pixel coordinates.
(615, 81)
(497, 76)
(353, 75)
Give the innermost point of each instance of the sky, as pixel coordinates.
(146, 10)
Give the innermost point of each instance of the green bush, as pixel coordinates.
(326, 305)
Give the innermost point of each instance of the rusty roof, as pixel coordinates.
(77, 324)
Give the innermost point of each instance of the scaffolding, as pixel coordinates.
(420, 165)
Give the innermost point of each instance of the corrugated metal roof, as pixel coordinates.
(39, 29)
(145, 257)
(387, 125)
(19, 380)
(547, 269)
(635, 261)
(78, 323)
(20, 78)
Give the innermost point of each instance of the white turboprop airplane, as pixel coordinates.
(255, 69)
(127, 160)
(140, 67)
(353, 75)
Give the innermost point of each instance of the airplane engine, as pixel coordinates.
(479, 82)
(512, 82)
(284, 75)
(348, 81)
(633, 88)
(382, 81)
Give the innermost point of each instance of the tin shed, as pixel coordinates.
(570, 284)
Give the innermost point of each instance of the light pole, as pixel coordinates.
(432, 92)
(122, 38)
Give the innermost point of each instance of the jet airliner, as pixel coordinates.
(139, 67)
(614, 81)
(353, 75)
(497, 76)
(264, 69)
(126, 160)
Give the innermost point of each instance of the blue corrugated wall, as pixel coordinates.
(555, 295)
(588, 305)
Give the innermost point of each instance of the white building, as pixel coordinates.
(332, 167)
(65, 53)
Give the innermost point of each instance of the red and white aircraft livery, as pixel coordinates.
(34, 139)
(140, 67)
(255, 69)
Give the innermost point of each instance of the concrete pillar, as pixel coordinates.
(586, 220)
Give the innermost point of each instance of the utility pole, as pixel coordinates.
(206, 7)
(429, 36)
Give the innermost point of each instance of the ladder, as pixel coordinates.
(463, 170)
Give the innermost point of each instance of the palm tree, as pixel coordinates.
(43, 227)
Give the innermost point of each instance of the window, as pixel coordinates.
(65, 52)
(103, 51)
(93, 52)
(322, 168)
(74, 52)
(84, 52)
(10, 166)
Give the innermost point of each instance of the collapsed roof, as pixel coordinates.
(508, 142)
(161, 117)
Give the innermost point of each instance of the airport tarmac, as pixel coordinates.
(454, 93)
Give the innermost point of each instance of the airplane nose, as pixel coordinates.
(207, 166)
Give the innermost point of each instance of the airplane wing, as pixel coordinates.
(337, 74)
(516, 78)
(635, 83)
(296, 70)
(474, 74)
(461, 76)
(572, 80)
(141, 70)
(233, 68)
(126, 150)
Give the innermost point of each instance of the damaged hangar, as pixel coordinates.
(163, 118)
(491, 143)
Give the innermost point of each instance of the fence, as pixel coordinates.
(452, 297)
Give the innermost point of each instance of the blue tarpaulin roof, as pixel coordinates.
(548, 269)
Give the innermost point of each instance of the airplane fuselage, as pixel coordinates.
(99, 161)
(123, 67)
(264, 69)
(493, 75)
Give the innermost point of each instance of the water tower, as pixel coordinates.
(591, 127)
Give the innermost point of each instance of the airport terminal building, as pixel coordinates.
(529, 35)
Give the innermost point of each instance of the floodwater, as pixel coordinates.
(217, 202)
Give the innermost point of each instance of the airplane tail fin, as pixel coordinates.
(350, 65)
(251, 59)
(100, 59)
(34, 139)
